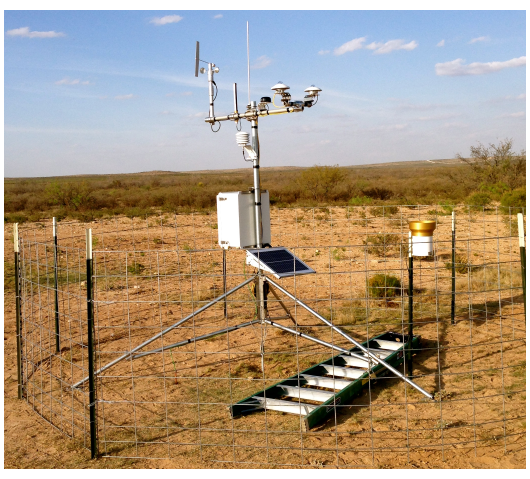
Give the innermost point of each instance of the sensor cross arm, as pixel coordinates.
(253, 114)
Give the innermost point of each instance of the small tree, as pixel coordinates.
(495, 166)
(319, 182)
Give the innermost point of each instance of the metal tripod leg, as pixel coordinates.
(319, 341)
(349, 338)
(167, 330)
(275, 294)
(195, 339)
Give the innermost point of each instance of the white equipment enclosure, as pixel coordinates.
(236, 219)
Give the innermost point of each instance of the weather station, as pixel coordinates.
(244, 223)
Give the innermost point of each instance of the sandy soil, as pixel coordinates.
(152, 273)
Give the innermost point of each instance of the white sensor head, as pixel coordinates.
(313, 90)
(242, 138)
(280, 87)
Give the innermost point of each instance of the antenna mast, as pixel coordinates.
(248, 66)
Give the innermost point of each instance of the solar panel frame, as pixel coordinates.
(278, 261)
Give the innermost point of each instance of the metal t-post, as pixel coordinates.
(90, 332)
(522, 249)
(55, 276)
(17, 308)
(224, 282)
(411, 309)
(453, 273)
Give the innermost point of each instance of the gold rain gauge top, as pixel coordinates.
(422, 237)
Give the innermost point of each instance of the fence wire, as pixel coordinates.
(150, 273)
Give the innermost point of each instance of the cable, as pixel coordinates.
(273, 97)
(216, 91)
(215, 131)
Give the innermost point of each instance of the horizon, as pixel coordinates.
(113, 92)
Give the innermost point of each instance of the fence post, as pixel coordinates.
(57, 336)
(411, 308)
(522, 249)
(17, 309)
(224, 280)
(453, 272)
(90, 325)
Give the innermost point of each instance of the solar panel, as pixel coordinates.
(278, 261)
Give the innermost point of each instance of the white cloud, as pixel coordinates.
(124, 97)
(323, 52)
(67, 81)
(165, 20)
(457, 67)
(261, 62)
(441, 43)
(166, 112)
(170, 94)
(352, 45)
(218, 16)
(25, 32)
(479, 39)
(187, 93)
(392, 45)
(518, 114)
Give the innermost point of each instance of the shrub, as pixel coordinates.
(384, 286)
(462, 264)
(360, 201)
(479, 199)
(136, 268)
(382, 244)
(496, 164)
(319, 182)
(383, 210)
(378, 193)
(515, 198)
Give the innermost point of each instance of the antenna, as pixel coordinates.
(235, 97)
(197, 60)
(248, 67)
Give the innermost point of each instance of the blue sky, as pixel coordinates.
(114, 91)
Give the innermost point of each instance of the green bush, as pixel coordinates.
(462, 264)
(479, 199)
(360, 201)
(136, 268)
(382, 244)
(383, 210)
(384, 286)
(515, 198)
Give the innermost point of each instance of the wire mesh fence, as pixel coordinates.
(206, 387)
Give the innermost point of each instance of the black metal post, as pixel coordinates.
(17, 308)
(55, 266)
(90, 334)
(224, 281)
(522, 250)
(453, 272)
(411, 310)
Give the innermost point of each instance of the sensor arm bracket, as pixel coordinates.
(253, 114)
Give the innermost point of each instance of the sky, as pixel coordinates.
(100, 92)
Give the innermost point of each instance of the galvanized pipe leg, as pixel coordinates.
(167, 330)
(349, 338)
